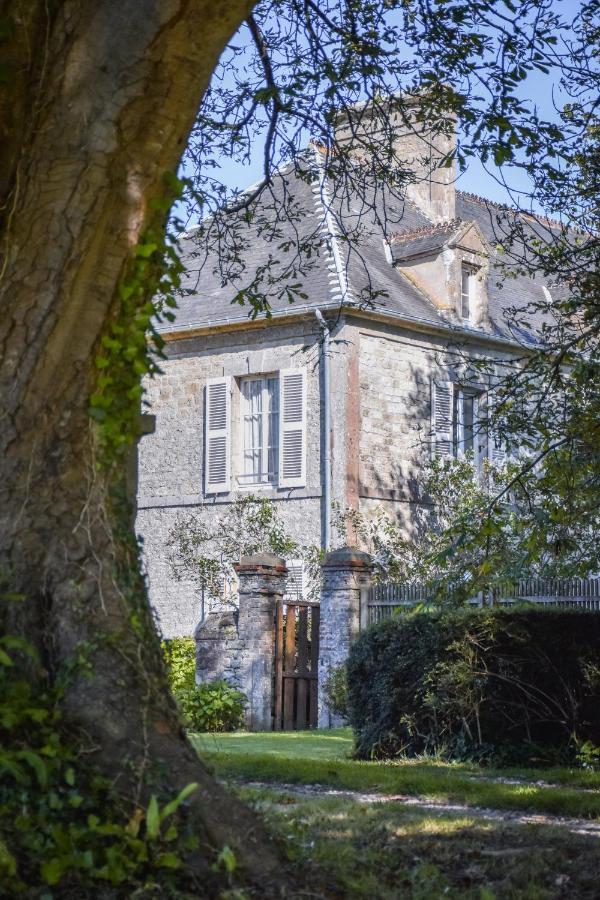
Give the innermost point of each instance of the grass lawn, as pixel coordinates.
(388, 851)
(359, 849)
(333, 743)
(321, 757)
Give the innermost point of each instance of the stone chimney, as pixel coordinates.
(417, 147)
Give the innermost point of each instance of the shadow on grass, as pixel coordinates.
(385, 851)
(321, 757)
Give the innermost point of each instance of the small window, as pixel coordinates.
(466, 291)
(260, 431)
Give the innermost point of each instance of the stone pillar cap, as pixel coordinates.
(347, 558)
(261, 561)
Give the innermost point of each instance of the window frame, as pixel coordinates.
(272, 482)
(470, 271)
(461, 391)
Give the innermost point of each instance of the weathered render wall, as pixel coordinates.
(171, 459)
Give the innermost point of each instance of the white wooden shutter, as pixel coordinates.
(496, 451)
(292, 428)
(442, 407)
(295, 583)
(217, 431)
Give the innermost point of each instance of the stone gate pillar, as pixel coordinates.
(262, 580)
(217, 648)
(346, 577)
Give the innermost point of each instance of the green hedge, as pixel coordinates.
(503, 685)
(214, 706)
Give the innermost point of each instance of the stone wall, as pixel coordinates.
(380, 437)
(396, 371)
(178, 605)
(218, 649)
(240, 647)
(346, 580)
(171, 460)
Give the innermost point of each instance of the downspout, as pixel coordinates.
(326, 496)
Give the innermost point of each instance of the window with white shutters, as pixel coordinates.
(455, 414)
(217, 431)
(292, 428)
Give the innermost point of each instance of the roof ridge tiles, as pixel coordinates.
(436, 228)
(505, 207)
(477, 198)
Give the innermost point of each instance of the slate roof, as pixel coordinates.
(210, 298)
(520, 291)
(407, 244)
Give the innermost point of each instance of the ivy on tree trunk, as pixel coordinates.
(99, 100)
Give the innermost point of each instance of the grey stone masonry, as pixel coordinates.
(262, 580)
(346, 580)
(218, 648)
(240, 646)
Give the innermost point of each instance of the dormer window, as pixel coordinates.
(467, 291)
(449, 263)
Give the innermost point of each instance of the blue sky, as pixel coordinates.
(538, 88)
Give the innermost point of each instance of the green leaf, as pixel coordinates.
(126, 290)
(168, 861)
(17, 643)
(51, 871)
(153, 818)
(226, 860)
(8, 764)
(37, 764)
(179, 799)
(145, 250)
(8, 864)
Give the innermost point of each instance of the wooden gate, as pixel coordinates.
(296, 665)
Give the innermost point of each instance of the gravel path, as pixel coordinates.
(503, 779)
(587, 827)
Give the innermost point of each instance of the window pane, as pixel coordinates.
(252, 393)
(273, 428)
(468, 421)
(465, 421)
(466, 292)
(260, 425)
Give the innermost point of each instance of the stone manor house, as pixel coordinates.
(330, 399)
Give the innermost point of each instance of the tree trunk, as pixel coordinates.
(98, 106)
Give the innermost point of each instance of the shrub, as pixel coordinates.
(206, 707)
(180, 658)
(335, 690)
(504, 685)
(215, 706)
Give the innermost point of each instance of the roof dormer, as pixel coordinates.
(449, 263)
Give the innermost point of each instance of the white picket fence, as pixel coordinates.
(581, 593)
